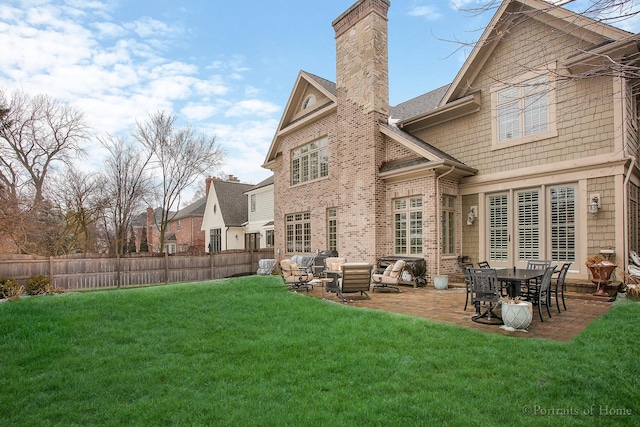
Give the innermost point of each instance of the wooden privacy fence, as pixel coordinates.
(87, 271)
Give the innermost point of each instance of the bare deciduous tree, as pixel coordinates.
(36, 133)
(78, 195)
(125, 183)
(181, 156)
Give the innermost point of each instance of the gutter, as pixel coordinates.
(625, 207)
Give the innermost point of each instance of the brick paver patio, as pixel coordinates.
(447, 306)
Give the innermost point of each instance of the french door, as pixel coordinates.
(535, 223)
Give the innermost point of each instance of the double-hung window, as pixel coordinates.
(310, 162)
(407, 225)
(448, 225)
(298, 232)
(524, 111)
(332, 229)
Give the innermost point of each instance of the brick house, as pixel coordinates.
(500, 165)
(184, 230)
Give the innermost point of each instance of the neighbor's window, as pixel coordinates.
(298, 229)
(407, 225)
(215, 240)
(332, 229)
(253, 203)
(448, 224)
(310, 162)
(269, 235)
(252, 241)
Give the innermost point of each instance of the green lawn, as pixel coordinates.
(247, 351)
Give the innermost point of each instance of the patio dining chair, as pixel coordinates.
(538, 264)
(465, 266)
(535, 264)
(485, 289)
(540, 293)
(484, 264)
(558, 287)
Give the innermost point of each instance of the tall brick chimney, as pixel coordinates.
(207, 186)
(362, 84)
(362, 68)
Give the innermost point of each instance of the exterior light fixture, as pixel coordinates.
(594, 203)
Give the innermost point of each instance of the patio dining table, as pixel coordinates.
(514, 277)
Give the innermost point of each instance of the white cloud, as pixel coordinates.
(119, 72)
(252, 107)
(430, 13)
(197, 112)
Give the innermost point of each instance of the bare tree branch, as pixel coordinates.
(180, 155)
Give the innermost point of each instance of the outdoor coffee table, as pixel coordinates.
(324, 282)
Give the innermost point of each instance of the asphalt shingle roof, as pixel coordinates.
(233, 201)
(328, 85)
(419, 105)
(194, 209)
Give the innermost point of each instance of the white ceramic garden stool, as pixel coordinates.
(517, 316)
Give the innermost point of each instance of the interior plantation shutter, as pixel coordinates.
(528, 225)
(563, 224)
(498, 228)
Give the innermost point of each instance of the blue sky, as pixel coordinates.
(226, 68)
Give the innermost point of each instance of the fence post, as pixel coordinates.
(211, 263)
(166, 267)
(118, 271)
(51, 275)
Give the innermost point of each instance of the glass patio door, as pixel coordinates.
(498, 234)
(528, 239)
(526, 224)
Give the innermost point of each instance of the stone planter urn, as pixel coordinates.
(601, 270)
(441, 281)
(517, 316)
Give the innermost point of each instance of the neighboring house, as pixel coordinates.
(183, 233)
(184, 230)
(500, 165)
(225, 214)
(259, 229)
(149, 221)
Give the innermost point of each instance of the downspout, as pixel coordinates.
(625, 207)
(226, 238)
(439, 216)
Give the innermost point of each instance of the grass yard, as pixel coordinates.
(247, 351)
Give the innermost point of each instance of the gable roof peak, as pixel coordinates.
(506, 15)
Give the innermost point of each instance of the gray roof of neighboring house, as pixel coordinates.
(419, 105)
(264, 183)
(194, 209)
(140, 220)
(232, 202)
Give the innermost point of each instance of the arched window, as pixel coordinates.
(308, 102)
